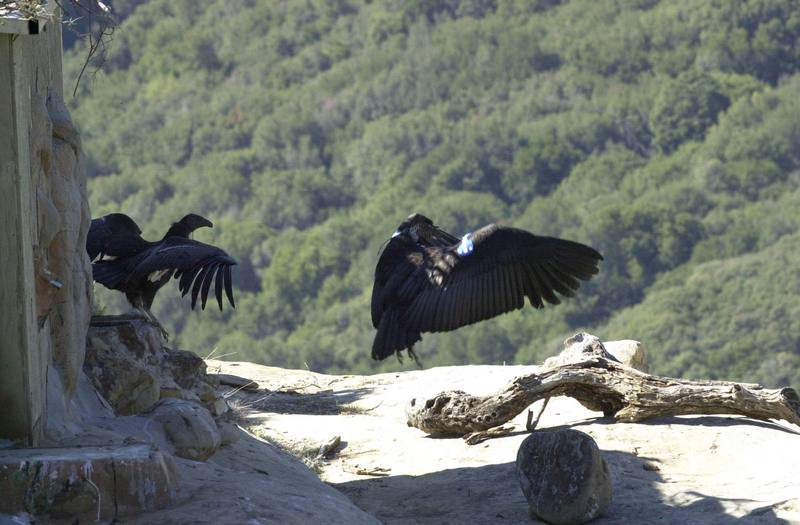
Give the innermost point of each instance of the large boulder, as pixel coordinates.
(187, 372)
(628, 352)
(579, 347)
(189, 427)
(122, 362)
(129, 365)
(582, 346)
(563, 476)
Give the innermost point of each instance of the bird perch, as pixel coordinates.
(600, 382)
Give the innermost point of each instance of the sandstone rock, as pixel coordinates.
(185, 367)
(63, 285)
(207, 393)
(629, 352)
(63, 128)
(219, 406)
(577, 348)
(125, 375)
(187, 371)
(563, 476)
(189, 427)
(131, 368)
(87, 483)
(230, 433)
(712, 470)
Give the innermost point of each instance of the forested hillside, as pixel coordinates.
(664, 133)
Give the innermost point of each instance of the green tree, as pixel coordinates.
(685, 107)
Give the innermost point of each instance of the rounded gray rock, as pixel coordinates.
(189, 427)
(563, 476)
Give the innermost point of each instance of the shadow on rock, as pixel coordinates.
(492, 494)
(325, 402)
(695, 421)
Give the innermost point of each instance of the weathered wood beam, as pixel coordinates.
(601, 383)
(29, 66)
(21, 380)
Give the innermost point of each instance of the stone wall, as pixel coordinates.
(62, 309)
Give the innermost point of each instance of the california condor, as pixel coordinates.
(428, 280)
(147, 266)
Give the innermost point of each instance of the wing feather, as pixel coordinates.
(212, 268)
(198, 283)
(218, 286)
(520, 282)
(186, 279)
(536, 295)
(545, 285)
(567, 281)
(229, 286)
(514, 292)
(505, 266)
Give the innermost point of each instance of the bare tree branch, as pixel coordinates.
(601, 383)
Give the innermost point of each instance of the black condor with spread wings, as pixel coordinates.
(139, 268)
(428, 280)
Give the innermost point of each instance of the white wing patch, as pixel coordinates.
(156, 276)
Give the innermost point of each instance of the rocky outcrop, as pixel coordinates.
(577, 348)
(629, 352)
(86, 484)
(183, 376)
(125, 375)
(128, 364)
(189, 427)
(563, 476)
(63, 273)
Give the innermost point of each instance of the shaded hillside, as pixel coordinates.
(663, 133)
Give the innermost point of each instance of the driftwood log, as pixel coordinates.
(589, 374)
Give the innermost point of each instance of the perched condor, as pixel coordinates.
(139, 275)
(428, 280)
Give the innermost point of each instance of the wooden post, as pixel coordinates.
(23, 368)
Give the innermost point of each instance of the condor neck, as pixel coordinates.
(178, 230)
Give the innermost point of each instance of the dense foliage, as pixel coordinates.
(664, 133)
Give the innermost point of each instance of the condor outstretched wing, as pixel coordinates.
(114, 235)
(195, 263)
(490, 272)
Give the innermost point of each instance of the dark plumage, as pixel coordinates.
(114, 235)
(148, 266)
(428, 280)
